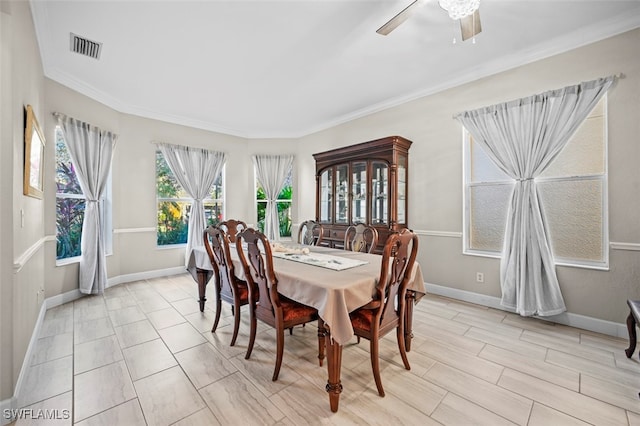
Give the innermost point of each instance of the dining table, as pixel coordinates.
(335, 282)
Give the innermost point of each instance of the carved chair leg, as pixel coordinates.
(279, 352)
(400, 335)
(252, 330)
(375, 365)
(236, 325)
(218, 310)
(631, 327)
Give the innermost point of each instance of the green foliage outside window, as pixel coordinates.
(172, 215)
(284, 209)
(173, 224)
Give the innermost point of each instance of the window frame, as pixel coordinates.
(559, 261)
(279, 200)
(187, 200)
(106, 208)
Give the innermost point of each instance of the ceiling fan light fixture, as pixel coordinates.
(458, 9)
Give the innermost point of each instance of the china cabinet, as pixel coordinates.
(363, 183)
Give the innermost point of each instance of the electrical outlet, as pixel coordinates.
(479, 277)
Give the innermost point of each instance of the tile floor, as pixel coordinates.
(143, 354)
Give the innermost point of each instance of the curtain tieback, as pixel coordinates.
(524, 180)
(92, 201)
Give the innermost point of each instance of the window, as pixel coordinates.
(70, 205)
(572, 192)
(174, 205)
(284, 206)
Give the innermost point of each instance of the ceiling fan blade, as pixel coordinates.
(394, 22)
(470, 25)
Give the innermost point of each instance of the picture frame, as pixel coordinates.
(34, 143)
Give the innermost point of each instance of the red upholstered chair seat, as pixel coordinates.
(295, 311)
(243, 292)
(362, 319)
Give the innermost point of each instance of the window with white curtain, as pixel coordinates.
(284, 206)
(70, 205)
(174, 205)
(572, 192)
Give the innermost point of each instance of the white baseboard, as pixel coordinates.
(566, 318)
(27, 355)
(6, 407)
(60, 299)
(147, 275)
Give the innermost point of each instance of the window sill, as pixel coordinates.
(70, 260)
(171, 246)
(564, 263)
(67, 261)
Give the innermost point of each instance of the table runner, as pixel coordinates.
(328, 261)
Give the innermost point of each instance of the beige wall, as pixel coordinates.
(435, 172)
(6, 225)
(22, 83)
(133, 180)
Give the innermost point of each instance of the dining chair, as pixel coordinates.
(267, 304)
(361, 238)
(228, 287)
(386, 311)
(232, 227)
(310, 233)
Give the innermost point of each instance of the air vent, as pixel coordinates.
(85, 46)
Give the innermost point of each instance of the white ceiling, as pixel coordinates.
(262, 69)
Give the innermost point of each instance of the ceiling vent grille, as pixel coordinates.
(85, 46)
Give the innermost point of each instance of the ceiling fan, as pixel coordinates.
(464, 10)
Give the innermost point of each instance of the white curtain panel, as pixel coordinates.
(271, 172)
(523, 137)
(91, 151)
(195, 169)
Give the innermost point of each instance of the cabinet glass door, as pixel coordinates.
(342, 193)
(379, 192)
(326, 192)
(402, 189)
(359, 192)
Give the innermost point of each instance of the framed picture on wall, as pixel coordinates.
(33, 156)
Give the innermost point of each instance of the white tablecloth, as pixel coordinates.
(333, 293)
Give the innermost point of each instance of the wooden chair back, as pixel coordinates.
(228, 287)
(387, 309)
(232, 227)
(258, 270)
(217, 245)
(361, 238)
(268, 305)
(310, 233)
(398, 258)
